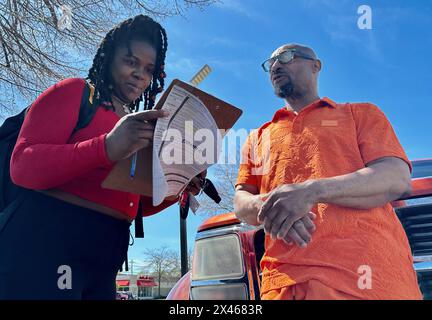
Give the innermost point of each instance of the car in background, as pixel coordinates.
(226, 260)
(129, 295)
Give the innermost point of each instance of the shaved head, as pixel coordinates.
(299, 48)
(298, 77)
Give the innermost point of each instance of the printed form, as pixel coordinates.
(185, 144)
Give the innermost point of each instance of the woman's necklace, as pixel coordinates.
(125, 106)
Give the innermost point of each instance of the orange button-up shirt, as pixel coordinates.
(326, 139)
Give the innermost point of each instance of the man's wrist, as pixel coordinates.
(258, 202)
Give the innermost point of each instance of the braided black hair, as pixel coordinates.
(138, 28)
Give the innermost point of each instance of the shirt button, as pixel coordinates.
(131, 204)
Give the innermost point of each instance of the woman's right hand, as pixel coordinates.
(132, 133)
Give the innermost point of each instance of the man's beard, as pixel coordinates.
(286, 90)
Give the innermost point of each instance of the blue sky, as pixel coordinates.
(389, 65)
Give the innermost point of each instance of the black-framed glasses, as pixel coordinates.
(284, 57)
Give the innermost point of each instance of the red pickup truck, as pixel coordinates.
(227, 252)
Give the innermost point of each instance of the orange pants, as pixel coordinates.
(310, 290)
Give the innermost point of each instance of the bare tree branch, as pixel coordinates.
(163, 264)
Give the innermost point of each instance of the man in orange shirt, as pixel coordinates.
(319, 177)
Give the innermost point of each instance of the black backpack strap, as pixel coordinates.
(88, 107)
(9, 131)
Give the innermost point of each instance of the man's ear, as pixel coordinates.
(317, 65)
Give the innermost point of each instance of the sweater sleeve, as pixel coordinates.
(375, 135)
(42, 157)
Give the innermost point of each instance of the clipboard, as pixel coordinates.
(224, 114)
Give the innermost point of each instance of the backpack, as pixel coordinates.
(9, 130)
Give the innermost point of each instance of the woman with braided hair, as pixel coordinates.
(69, 236)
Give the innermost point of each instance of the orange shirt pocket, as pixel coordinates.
(274, 279)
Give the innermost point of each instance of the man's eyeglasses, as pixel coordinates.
(283, 57)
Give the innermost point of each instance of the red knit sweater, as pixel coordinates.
(47, 155)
